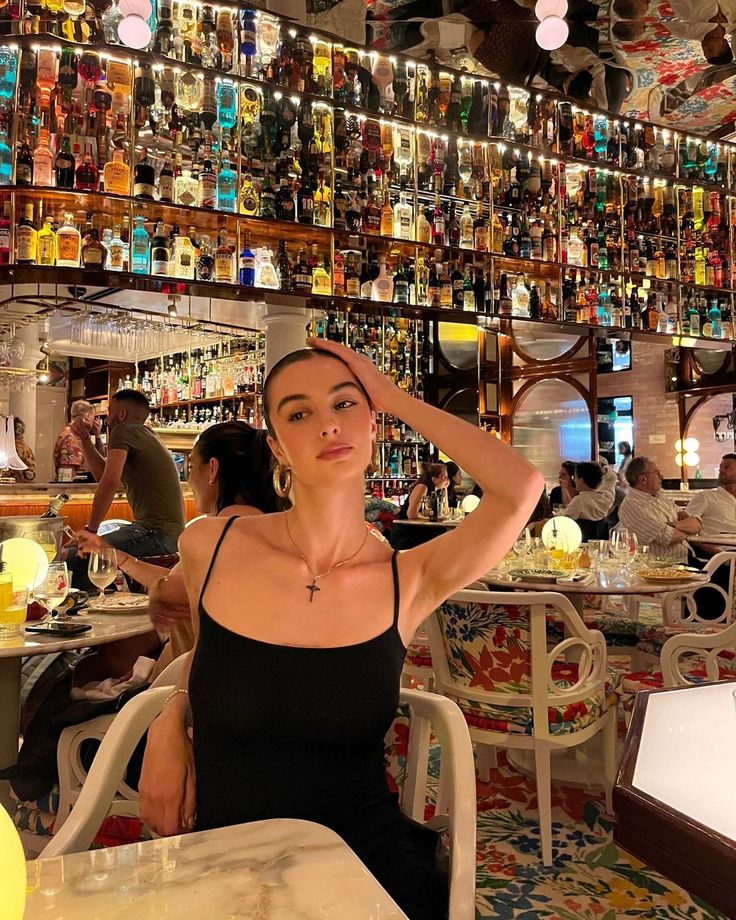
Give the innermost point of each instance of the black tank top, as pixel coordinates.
(284, 731)
(295, 732)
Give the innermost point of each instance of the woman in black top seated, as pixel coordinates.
(455, 476)
(302, 619)
(561, 494)
(433, 479)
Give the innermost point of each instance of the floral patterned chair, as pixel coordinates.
(490, 656)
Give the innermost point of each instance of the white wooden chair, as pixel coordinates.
(427, 711)
(490, 656)
(71, 770)
(714, 653)
(679, 607)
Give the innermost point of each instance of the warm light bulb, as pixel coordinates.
(545, 8)
(691, 445)
(691, 458)
(140, 8)
(134, 32)
(562, 532)
(469, 503)
(552, 33)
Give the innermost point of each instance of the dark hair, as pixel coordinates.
(590, 473)
(244, 458)
(570, 467)
(628, 449)
(16, 422)
(452, 468)
(728, 457)
(135, 398)
(429, 472)
(301, 354)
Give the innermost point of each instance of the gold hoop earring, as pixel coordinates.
(375, 464)
(282, 481)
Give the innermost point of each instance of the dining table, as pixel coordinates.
(106, 627)
(278, 869)
(724, 540)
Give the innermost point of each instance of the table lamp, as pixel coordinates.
(469, 503)
(562, 532)
(12, 870)
(26, 561)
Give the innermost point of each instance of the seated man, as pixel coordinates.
(594, 500)
(716, 508)
(653, 516)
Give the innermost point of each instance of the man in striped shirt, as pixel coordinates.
(652, 516)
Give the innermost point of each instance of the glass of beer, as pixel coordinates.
(13, 604)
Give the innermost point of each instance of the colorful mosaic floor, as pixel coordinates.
(591, 878)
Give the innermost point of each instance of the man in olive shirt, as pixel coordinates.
(137, 459)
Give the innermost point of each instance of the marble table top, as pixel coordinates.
(598, 583)
(267, 870)
(106, 627)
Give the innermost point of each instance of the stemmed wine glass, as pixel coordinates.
(102, 568)
(53, 589)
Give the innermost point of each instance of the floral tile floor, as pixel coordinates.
(590, 879)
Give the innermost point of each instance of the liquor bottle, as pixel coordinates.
(115, 251)
(445, 287)
(183, 257)
(267, 203)
(224, 257)
(6, 160)
(305, 201)
(283, 266)
(46, 244)
(302, 275)
(387, 216)
(467, 234)
(266, 274)
(205, 265)
(139, 249)
(94, 254)
(249, 203)
(24, 165)
(352, 278)
(64, 166)
(504, 302)
(47, 64)
(438, 223)
(424, 228)
(285, 207)
(144, 179)
(321, 281)
(160, 252)
(224, 33)
(207, 186)
(186, 189)
(456, 279)
(715, 320)
(116, 174)
(166, 190)
(68, 243)
(43, 160)
(469, 299)
(5, 232)
(520, 298)
(382, 288)
(403, 217)
(55, 506)
(480, 229)
(247, 265)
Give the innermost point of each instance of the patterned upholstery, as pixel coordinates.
(489, 647)
(653, 680)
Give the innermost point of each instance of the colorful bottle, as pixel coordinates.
(68, 243)
(140, 244)
(46, 253)
(116, 174)
(226, 182)
(247, 270)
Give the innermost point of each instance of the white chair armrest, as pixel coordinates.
(458, 771)
(711, 643)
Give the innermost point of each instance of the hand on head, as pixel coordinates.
(378, 387)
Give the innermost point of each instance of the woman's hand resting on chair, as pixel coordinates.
(167, 784)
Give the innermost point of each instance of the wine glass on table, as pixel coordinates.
(46, 539)
(102, 568)
(53, 589)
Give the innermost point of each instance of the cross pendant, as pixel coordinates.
(312, 588)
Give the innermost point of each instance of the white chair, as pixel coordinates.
(427, 711)
(111, 525)
(71, 770)
(677, 671)
(489, 653)
(679, 607)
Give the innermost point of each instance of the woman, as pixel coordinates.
(229, 474)
(626, 453)
(434, 478)
(566, 490)
(303, 619)
(455, 478)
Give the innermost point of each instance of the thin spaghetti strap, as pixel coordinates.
(214, 555)
(397, 593)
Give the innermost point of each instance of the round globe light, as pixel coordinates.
(678, 445)
(678, 459)
(469, 503)
(26, 562)
(552, 33)
(134, 32)
(142, 8)
(691, 458)
(563, 533)
(545, 8)
(691, 444)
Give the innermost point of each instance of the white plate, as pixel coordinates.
(120, 602)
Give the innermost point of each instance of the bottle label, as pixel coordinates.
(115, 257)
(207, 191)
(117, 178)
(166, 188)
(45, 249)
(68, 247)
(117, 74)
(144, 190)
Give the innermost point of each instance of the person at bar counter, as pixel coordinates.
(137, 459)
(455, 480)
(716, 508)
(431, 484)
(652, 515)
(302, 621)
(68, 453)
(25, 453)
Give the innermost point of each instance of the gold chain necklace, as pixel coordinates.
(316, 576)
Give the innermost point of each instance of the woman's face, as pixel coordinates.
(441, 481)
(203, 476)
(20, 429)
(564, 477)
(323, 423)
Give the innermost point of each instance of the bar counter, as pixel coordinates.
(32, 498)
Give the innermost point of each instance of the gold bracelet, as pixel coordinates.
(172, 695)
